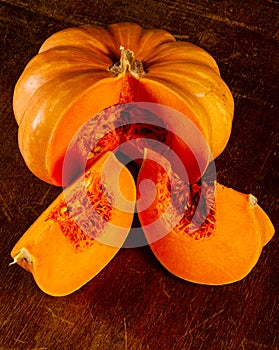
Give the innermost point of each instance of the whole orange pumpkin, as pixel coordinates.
(79, 72)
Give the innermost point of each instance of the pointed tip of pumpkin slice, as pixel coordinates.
(266, 227)
(22, 258)
(61, 256)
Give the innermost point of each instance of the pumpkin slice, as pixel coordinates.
(217, 240)
(81, 231)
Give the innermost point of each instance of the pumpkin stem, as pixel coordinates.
(127, 64)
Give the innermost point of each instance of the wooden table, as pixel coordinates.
(134, 303)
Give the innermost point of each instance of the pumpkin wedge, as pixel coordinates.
(216, 239)
(79, 72)
(81, 231)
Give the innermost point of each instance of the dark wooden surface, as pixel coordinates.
(134, 303)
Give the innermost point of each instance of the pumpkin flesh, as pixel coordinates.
(60, 253)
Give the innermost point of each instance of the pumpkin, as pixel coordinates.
(82, 83)
(58, 250)
(79, 72)
(218, 238)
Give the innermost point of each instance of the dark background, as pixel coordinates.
(134, 303)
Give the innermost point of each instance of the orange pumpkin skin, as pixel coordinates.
(58, 252)
(74, 77)
(222, 250)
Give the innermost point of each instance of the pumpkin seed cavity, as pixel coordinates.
(199, 220)
(115, 126)
(79, 216)
(194, 202)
